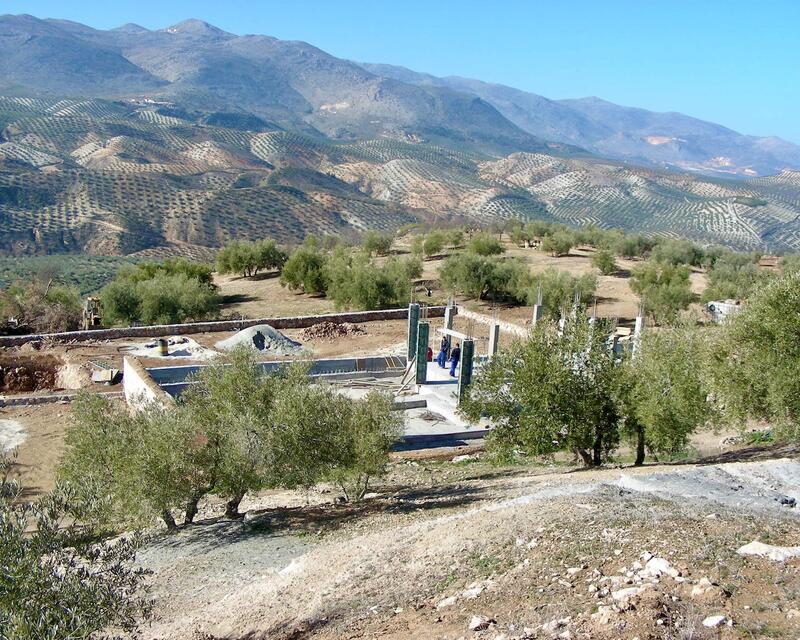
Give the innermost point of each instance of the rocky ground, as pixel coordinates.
(462, 549)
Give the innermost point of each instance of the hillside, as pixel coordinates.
(123, 177)
(666, 140)
(153, 143)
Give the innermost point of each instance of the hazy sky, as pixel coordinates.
(734, 62)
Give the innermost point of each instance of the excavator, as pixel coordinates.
(92, 314)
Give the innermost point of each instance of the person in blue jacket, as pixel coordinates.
(441, 358)
(455, 356)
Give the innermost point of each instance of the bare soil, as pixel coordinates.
(527, 552)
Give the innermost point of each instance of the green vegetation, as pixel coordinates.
(248, 258)
(558, 289)
(558, 243)
(56, 583)
(235, 430)
(88, 274)
(665, 390)
(42, 306)
(376, 243)
(734, 275)
(482, 244)
(353, 281)
(664, 288)
(756, 361)
(604, 261)
(485, 278)
(304, 271)
(552, 392)
(169, 292)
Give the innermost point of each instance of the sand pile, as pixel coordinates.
(331, 331)
(262, 338)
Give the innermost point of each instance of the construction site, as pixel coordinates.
(448, 544)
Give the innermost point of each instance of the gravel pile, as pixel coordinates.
(262, 338)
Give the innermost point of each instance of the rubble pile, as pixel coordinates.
(331, 331)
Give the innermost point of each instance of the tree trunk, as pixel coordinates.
(191, 508)
(585, 456)
(166, 516)
(232, 508)
(640, 453)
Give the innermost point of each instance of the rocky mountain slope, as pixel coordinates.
(132, 141)
(121, 177)
(668, 140)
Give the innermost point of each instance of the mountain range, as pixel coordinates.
(176, 140)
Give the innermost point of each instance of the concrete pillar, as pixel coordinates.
(538, 310)
(423, 332)
(494, 340)
(413, 322)
(449, 314)
(465, 372)
(638, 327)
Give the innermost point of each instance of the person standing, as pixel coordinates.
(441, 358)
(455, 356)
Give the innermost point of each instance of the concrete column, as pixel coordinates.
(413, 322)
(465, 371)
(638, 327)
(494, 340)
(538, 311)
(423, 333)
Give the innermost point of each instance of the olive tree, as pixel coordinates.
(756, 361)
(665, 390)
(553, 392)
(664, 288)
(55, 583)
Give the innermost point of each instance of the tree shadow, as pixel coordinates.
(293, 521)
(237, 298)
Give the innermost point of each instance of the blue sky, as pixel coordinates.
(733, 62)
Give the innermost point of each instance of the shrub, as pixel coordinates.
(677, 252)
(604, 261)
(353, 281)
(482, 244)
(664, 289)
(235, 430)
(667, 390)
(733, 275)
(304, 270)
(455, 238)
(162, 299)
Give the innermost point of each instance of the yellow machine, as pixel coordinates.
(92, 316)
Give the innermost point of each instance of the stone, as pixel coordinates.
(447, 602)
(656, 567)
(778, 554)
(712, 622)
(479, 623)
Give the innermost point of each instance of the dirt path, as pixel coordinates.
(521, 547)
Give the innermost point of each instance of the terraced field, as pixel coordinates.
(121, 178)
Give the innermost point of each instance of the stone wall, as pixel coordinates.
(156, 331)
